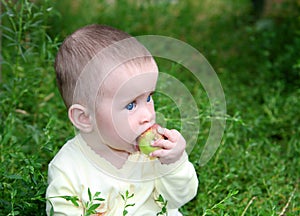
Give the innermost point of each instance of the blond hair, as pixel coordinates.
(79, 49)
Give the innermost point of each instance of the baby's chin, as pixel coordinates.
(132, 147)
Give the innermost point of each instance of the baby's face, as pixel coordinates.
(124, 108)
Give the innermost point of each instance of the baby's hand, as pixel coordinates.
(172, 148)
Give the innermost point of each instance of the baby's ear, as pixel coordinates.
(80, 118)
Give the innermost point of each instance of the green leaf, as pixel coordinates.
(164, 204)
(234, 192)
(128, 205)
(123, 198)
(90, 194)
(209, 212)
(97, 194)
(160, 199)
(130, 196)
(73, 199)
(93, 207)
(75, 203)
(100, 199)
(221, 206)
(51, 211)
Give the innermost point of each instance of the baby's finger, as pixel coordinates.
(166, 132)
(159, 153)
(161, 130)
(164, 144)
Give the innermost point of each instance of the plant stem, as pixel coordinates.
(249, 203)
(282, 213)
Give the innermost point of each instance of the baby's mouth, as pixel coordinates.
(137, 147)
(135, 144)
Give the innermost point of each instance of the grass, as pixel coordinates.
(256, 168)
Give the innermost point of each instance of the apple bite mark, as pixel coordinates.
(147, 138)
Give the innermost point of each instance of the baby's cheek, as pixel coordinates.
(133, 127)
(123, 127)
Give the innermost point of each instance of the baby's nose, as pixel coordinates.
(147, 115)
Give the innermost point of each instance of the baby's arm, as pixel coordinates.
(60, 187)
(176, 182)
(176, 177)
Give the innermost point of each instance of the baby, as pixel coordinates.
(106, 79)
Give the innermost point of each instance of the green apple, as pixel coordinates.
(148, 137)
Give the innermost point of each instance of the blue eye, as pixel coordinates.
(149, 98)
(131, 105)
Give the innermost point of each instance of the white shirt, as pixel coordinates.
(77, 168)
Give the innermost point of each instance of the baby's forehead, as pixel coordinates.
(134, 67)
(130, 76)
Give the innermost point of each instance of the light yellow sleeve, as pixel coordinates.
(60, 185)
(177, 183)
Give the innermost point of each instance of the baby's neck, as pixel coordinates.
(116, 157)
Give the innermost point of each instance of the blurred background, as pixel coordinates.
(252, 45)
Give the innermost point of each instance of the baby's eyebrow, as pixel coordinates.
(135, 98)
(146, 93)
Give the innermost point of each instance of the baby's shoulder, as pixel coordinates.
(68, 154)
